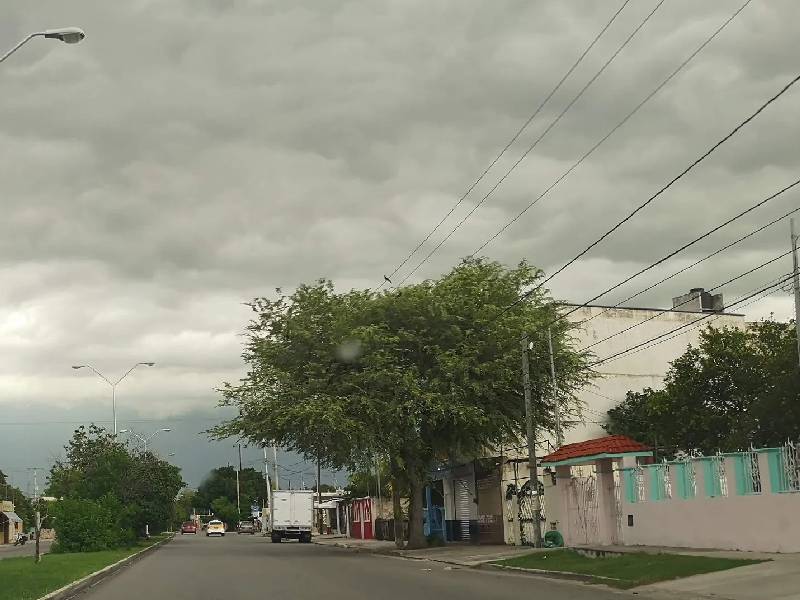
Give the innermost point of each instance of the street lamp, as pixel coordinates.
(68, 35)
(147, 439)
(113, 384)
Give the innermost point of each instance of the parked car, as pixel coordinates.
(215, 527)
(246, 527)
(189, 527)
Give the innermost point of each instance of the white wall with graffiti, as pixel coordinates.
(736, 501)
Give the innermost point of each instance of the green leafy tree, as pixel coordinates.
(428, 373)
(221, 482)
(225, 511)
(735, 388)
(184, 504)
(363, 483)
(22, 504)
(98, 466)
(84, 525)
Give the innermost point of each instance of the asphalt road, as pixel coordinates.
(251, 567)
(29, 549)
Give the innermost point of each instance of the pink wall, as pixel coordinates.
(766, 522)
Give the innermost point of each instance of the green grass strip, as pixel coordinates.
(23, 579)
(627, 570)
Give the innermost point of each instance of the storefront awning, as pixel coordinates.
(12, 516)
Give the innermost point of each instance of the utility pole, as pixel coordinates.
(556, 408)
(796, 288)
(531, 435)
(37, 524)
(238, 507)
(378, 477)
(275, 466)
(319, 494)
(269, 496)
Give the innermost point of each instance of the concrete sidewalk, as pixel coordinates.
(463, 555)
(778, 579)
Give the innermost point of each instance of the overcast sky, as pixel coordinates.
(189, 155)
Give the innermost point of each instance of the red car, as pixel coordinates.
(189, 527)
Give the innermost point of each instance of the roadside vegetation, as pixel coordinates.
(109, 493)
(627, 570)
(412, 376)
(23, 579)
(733, 389)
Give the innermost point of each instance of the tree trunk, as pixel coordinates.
(416, 533)
(397, 511)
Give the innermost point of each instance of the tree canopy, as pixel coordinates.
(429, 372)
(221, 483)
(736, 388)
(100, 469)
(22, 504)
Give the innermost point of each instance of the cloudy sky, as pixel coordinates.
(192, 154)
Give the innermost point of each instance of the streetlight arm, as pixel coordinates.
(128, 372)
(100, 375)
(21, 44)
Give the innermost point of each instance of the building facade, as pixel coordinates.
(491, 500)
(609, 331)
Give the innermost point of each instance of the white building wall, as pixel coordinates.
(636, 370)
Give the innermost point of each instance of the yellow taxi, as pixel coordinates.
(215, 527)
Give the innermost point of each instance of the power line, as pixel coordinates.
(694, 264)
(664, 188)
(711, 231)
(718, 286)
(680, 175)
(509, 144)
(685, 325)
(535, 143)
(627, 117)
(695, 324)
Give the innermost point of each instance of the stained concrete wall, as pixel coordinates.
(765, 522)
(637, 370)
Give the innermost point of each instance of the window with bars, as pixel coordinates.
(716, 484)
(747, 473)
(660, 485)
(685, 479)
(784, 467)
(629, 485)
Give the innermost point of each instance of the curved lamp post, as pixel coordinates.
(113, 384)
(146, 440)
(68, 35)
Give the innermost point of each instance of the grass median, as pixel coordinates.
(626, 570)
(23, 579)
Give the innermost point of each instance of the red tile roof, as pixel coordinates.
(611, 444)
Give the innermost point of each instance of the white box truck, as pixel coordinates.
(291, 515)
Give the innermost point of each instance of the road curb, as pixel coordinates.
(552, 574)
(76, 587)
(398, 553)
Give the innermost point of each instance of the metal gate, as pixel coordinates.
(582, 508)
(463, 505)
(527, 514)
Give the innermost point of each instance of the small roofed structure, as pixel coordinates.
(588, 451)
(582, 492)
